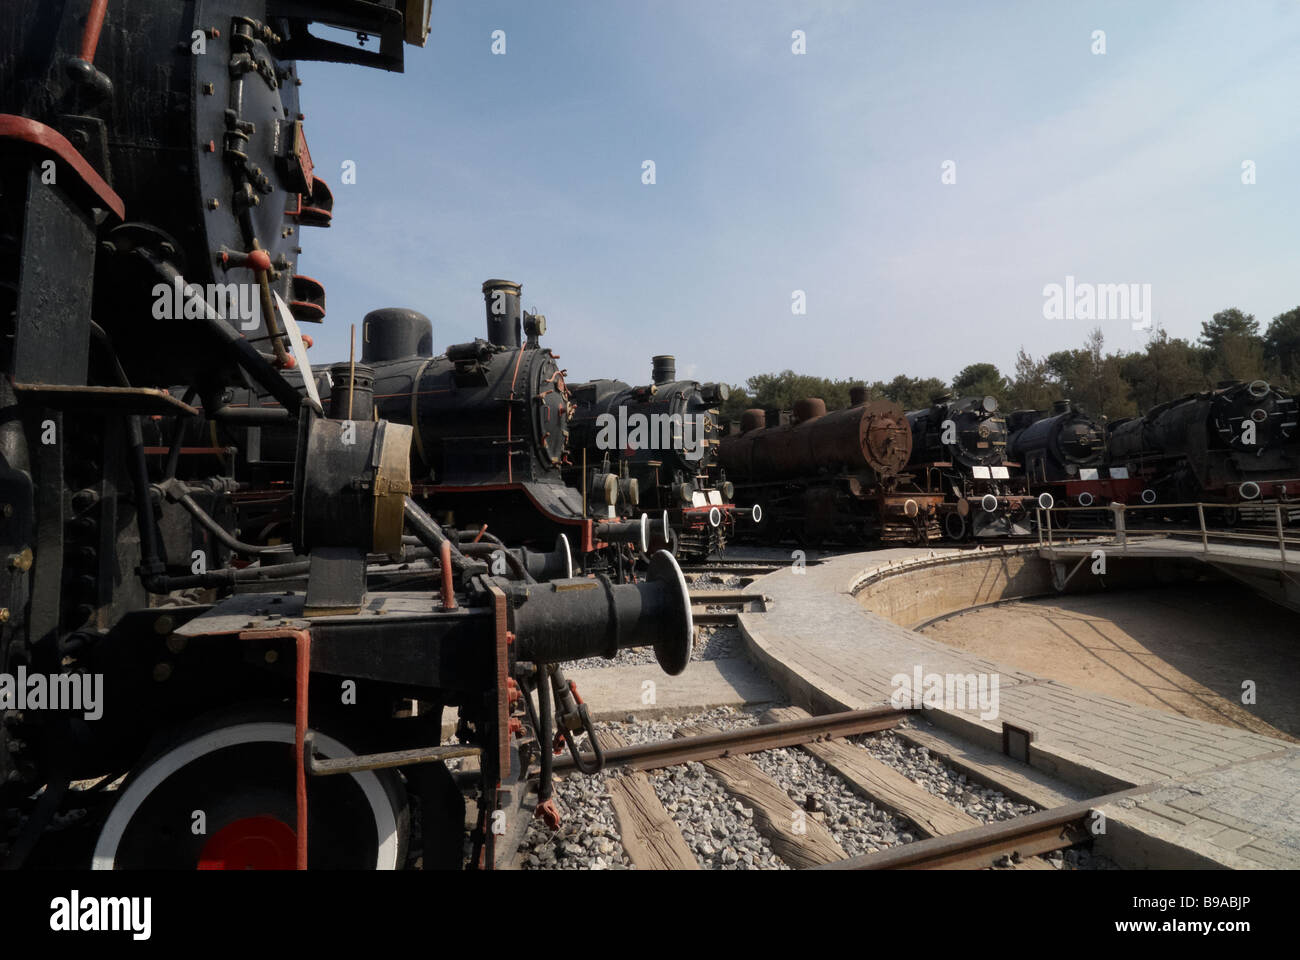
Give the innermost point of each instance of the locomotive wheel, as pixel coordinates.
(673, 543)
(237, 771)
(955, 526)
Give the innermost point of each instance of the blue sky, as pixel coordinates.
(819, 172)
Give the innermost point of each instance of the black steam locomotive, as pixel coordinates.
(660, 443)
(1232, 445)
(154, 177)
(491, 422)
(959, 450)
(1063, 452)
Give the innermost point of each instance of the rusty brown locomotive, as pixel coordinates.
(837, 477)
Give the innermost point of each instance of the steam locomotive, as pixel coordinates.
(491, 436)
(831, 477)
(1232, 445)
(259, 697)
(959, 450)
(1064, 455)
(659, 442)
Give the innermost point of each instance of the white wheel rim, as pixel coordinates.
(163, 767)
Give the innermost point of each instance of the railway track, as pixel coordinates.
(946, 836)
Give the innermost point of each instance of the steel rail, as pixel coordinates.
(981, 847)
(767, 736)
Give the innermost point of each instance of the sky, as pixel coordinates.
(820, 172)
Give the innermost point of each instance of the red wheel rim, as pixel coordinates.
(253, 843)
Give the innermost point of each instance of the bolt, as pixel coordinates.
(177, 643)
(162, 671)
(272, 656)
(209, 89)
(4, 614)
(213, 203)
(7, 510)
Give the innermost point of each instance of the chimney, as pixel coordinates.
(501, 298)
(857, 395)
(664, 369)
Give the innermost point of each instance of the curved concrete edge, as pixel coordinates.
(1097, 743)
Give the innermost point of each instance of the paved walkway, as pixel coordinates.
(1221, 796)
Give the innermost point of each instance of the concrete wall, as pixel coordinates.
(910, 596)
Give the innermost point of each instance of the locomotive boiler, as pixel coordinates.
(659, 440)
(154, 180)
(831, 477)
(959, 450)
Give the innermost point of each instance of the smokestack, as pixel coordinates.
(393, 333)
(664, 369)
(1060, 406)
(362, 379)
(857, 395)
(501, 298)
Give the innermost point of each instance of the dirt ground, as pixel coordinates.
(1187, 649)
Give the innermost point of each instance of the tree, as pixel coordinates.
(1227, 323)
(1282, 348)
(912, 393)
(1093, 379)
(1033, 387)
(980, 380)
(1167, 369)
(781, 390)
(737, 402)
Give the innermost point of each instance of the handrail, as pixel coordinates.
(1049, 537)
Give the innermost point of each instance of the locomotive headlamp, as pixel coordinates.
(714, 392)
(351, 482)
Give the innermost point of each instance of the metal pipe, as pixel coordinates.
(174, 454)
(217, 530)
(250, 415)
(94, 26)
(302, 641)
(230, 341)
(448, 587)
(544, 782)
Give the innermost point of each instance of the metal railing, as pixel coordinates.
(1279, 538)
